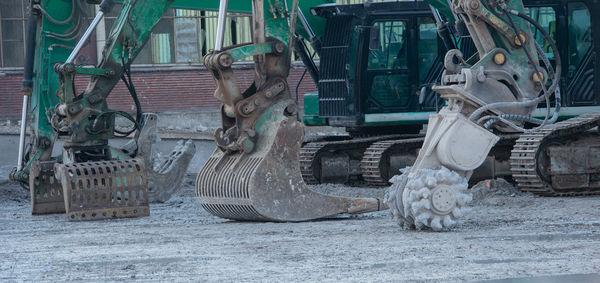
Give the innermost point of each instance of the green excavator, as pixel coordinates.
(383, 104)
(90, 179)
(493, 95)
(489, 99)
(254, 173)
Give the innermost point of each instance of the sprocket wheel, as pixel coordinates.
(428, 198)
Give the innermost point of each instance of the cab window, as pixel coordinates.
(427, 45)
(546, 17)
(392, 49)
(580, 34)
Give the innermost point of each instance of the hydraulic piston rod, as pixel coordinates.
(22, 132)
(32, 23)
(105, 7)
(85, 37)
(221, 25)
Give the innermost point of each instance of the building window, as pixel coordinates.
(184, 36)
(12, 33)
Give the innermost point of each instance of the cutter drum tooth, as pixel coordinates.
(266, 184)
(46, 191)
(104, 189)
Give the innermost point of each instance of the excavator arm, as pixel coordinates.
(494, 92)
(85, 122)
(254, 172)
(90, 179)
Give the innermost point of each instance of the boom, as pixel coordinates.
(254, 174)
(128, 177)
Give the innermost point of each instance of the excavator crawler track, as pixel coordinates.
(307, 156)
(531, 149)
(311, 153)
(375, 162)
(377, 168)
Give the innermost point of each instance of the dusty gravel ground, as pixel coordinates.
(507, 234)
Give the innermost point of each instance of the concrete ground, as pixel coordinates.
(506, 235)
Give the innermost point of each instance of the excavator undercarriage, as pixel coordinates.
(562, 159)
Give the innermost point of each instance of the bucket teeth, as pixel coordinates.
(104, 189)
(46, 192)
(266, 185)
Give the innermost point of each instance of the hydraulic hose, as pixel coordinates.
(73, 33)
(546, 92)
(32, 23)
(55, 21)
(68, 34)
(301, 50)
(491, 120)
(558, 69)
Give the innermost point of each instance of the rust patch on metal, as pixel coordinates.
(46, 192)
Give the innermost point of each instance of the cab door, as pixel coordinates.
(571, 26)
(581, 71)
(430, 63)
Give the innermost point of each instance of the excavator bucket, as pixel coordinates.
(112, 188)
(104, 189)
(254, 174)
(266, 185)
(165, 175)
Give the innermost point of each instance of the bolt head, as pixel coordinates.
(279, 47)
(523, 39)
(247, 108)
(225, 60)
(537, 77)
(499, 58)
(259, 101)
(474, 5)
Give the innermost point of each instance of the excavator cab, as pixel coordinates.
(377, 59)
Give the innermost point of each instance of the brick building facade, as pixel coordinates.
(160, 89)
(176, 80)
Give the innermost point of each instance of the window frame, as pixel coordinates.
(23, 18)
(240, 21)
